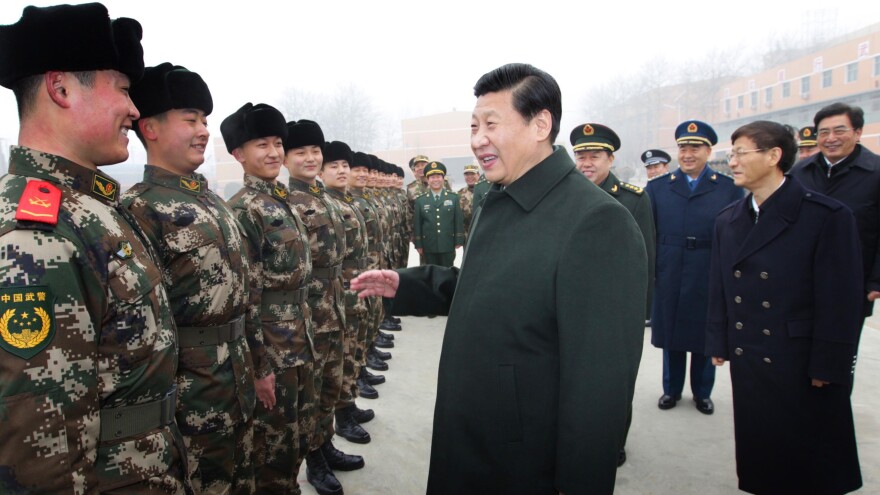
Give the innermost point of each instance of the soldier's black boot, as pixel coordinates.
(366, 390)
(383, 342)
(319, 474)
(339, 460)
(374, 363)
(384, 356)
(363, 415)
(348, 428)
(394, 319)
(371, 378)
(387, 324)
(386, 336)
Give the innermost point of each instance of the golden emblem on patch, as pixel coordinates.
(26, 321)
(315, 189)
(190, 184)
(105, 187)
(588, 130)
(280, 192)
(125, 251)
(692, 127)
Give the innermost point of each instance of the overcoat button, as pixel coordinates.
(739, 325)
(738, 299)
(737, 274)
(766, 304)
(738, 351)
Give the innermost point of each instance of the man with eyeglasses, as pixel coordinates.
(684, 204)
(850, 173)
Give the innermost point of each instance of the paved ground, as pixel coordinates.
(660, 442)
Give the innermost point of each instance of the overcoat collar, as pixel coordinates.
(611, 185)
(708, 181)
(778, 212)
(531, 188)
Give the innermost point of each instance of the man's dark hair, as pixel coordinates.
(533, 90)
(856, 115)
(26, 89)
(767, 135)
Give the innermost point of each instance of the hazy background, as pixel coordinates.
(390, 60)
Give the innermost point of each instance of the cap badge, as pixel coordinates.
(808, 132)
(588, 130)
(692, 127)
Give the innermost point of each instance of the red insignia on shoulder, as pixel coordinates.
(39, 202)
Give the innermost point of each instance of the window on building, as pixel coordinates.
(786, 88)
(877, 66)
(753, 99)
(852, 72)
(826, 78)
(805, 85)
(740, 102)
(768, 95)
(727, 105)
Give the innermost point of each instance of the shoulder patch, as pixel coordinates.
(27, 320)
(39, 202)
(191, 185)
(105, 187)
(632, 188)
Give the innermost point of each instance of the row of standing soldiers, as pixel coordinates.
(162, 340)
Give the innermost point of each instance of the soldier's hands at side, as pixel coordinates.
(419, 250)
(382, 283)
(265, 388)
(717, 361)
(873, 295)
(819, 383)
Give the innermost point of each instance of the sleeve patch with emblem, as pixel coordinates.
(27, 320)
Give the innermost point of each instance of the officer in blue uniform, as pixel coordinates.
(656, 163)
(685, 203)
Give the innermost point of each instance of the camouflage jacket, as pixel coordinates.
(356, 248)
(385, 220)
(326, 230)
(466, 200)
(205, 272)
(103, 337)
(375, 240)
(281, 269)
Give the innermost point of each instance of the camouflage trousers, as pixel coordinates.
(174, 481)
(278, 452)
(350, 366)
(220, 461)
(328, 384)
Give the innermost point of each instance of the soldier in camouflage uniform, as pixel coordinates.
(466, 196)
(281, 266)
(358, 188)
(88, 350)
(323, 220)
(417, 187)
(377, 182)
(335, 176)
(205, 272)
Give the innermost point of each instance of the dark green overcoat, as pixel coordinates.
(537, 365)
(438, 224)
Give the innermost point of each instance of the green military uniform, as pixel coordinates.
(281, 266)
(205, 270)
(327, 242)
(597, 137)
(87, 339)
(438, 223)
(480, 189)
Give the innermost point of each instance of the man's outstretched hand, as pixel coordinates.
(381, 283)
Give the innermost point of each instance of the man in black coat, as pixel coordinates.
(850, 173)
(785, 310)
(535, 372)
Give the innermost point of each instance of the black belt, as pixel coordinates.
(685, 242)
(359, 263)
(204, 336)
(327, 272)
(283, 298)
(131, 421)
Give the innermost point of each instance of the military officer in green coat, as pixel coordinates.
(594, 146)
(438, 223)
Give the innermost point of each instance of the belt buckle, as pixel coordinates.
(691, 242)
